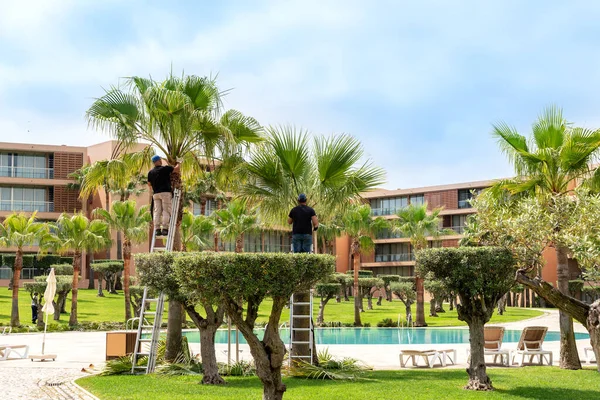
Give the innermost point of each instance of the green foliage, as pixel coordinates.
(327, 289)
(35, 287)
(361, 227)
(405, 292)
(121, 366)
(20, 230)
(28, 260)
(196, 231)
(387, 323)
(62, 269)
(107, 267)
(387, 279)
(330, 368)
(156, 271)
(416, 223)
(66, 260)
(243, 276)
(240, 368)
(480, 276)
(77, 233)
(235, 220)
(45, 261)
(368, 283)
(362, 273)
(9, 260)
(126, 217)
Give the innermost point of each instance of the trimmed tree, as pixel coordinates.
(480, 276)
(367, 286)
(133, 223)
(155, 270)
(20, 231)
(405, 291)
(345, 282)
(326, 290)
(76, 234)
(244, 281)
(387, 280)
(438, 293)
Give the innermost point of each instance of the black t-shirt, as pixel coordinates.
(160, 178)
(302, 217)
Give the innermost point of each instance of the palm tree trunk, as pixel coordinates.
(420, 320)
(76, 267)
(569, 358)
(126, 274)
(107, 206)
(239, 244)
(14, 314)
(357, 301)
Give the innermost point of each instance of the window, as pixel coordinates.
(417, 199)
(390, 252)
(465, 195)
(25, 166)
(459, 222)
(388, 205)
(209, 207)
(25, 199)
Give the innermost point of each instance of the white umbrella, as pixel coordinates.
(48, 298)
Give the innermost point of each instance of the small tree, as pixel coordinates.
(361, 228)
(405, 291)
(107, 270)
(367, 286)
(196, 232)
(326, 290)
(64, 285)
(156, 271)
(234, 221)
(438, 293)
(480, 276)
(387, 280)
(19, 231)
(345, 282)
(126, 218)
(77, 234)
(244, 281)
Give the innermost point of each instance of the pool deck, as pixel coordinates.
(23, 379)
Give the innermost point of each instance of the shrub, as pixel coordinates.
(387, 323)
(62, 269)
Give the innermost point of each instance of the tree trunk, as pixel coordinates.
(14, 313)
(593, 326)
(320, 317)
(126, 275)
(63, 301)
(527, 298)
(119, 246)
(40, 313)
(420, 302)
(357, 300)
(100, 278)
(508, 299)
(76, 267)
(56, 305)
(432, 312)
(501, 305)
(379, 299)
(107, 206)
(208, 328)
(478, 378)
(408, 312)
(522, 299)
(89, 257)
(452, 302)
(239, 244)
(346, 293)
(369, 300)
(174, 336)
(569, 357)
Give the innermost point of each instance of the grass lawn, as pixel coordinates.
(111, 309)
(510, 383)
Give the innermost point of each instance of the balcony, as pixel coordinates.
(27, 172)
(383, 211)
(27, 206)
(464, 204)
(403, 257)
(460, 229)
(386, 234)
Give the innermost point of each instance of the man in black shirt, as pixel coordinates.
(304, 220)
(159, 180)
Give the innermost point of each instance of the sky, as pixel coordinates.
(419, 83)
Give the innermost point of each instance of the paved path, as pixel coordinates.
(23, 379)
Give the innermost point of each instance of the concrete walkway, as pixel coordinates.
(24, 379)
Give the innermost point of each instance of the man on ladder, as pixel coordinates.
(159, 181)
(304, 221)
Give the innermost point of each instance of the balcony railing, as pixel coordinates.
(27, 172)
(29, 206)
(26, 273)
(460, 229)
(394, 257)
(383, 211)
(389, 235)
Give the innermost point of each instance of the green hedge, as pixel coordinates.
(361, 273)
(44, 262)
(63, 269)
(9, 260)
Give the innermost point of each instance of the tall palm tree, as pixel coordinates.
(76, 234)
(361, 228)
(182, 118)
(196, 231)
(20, 231)
(234, 221)
(133, 223)
(552, 161)
(417, 224)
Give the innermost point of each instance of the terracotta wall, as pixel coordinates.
(65, 163)
(450, 243)
(66, 200)
(447, 199)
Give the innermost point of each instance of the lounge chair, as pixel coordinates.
(530, 344)
(589, 354)
(429, 356)
(8, 349)
(493, 336)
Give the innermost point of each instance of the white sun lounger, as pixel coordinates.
(8, 349)
(589, 354)
(428, 356)
(530, 345)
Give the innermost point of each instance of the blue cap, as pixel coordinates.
(155, 158)
(302, 198)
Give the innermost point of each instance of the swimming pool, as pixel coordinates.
(383, 336)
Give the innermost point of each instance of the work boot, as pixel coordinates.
(165, 232)
(159, 232)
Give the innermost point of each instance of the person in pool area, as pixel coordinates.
(303, 220)
(159, 181)
(34, 308)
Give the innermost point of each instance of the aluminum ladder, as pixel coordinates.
(294, 329)
(144, 346)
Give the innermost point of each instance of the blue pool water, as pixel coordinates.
(383, 336)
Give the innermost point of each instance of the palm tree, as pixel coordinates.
(196, 231)
(361, 228)
(235, 220)
(20, 231)
(552, 162)
(181, 117)
(76, 234)
(126, 218)
(417, 224)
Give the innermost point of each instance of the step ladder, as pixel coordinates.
(296, 331)
(149, 322)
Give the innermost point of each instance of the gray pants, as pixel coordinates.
(162, 209)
